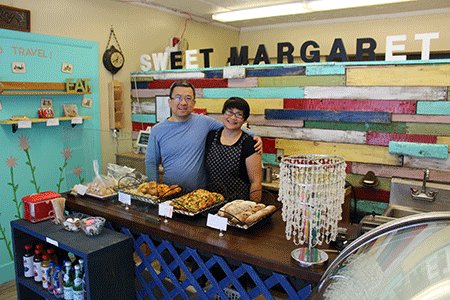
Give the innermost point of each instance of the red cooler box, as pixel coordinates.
(38, 207)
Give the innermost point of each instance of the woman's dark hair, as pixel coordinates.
(237, 103)
(182, 83)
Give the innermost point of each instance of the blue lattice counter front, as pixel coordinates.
(184, 259)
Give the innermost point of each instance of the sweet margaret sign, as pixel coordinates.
(309, 51)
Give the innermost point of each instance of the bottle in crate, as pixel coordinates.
(57, 281)
(68, 280)
(37, 265)
(78, 292)
(45, 270)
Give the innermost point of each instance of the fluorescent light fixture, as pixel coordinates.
(303, 7)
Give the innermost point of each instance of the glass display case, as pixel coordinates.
(408, 258)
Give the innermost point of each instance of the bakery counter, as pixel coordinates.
(261, 251)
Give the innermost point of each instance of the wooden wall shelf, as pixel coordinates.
(11, 88)
(15, 124)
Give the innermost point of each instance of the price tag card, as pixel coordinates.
(234, 72)
(24, 124)
(165, 210)
(53, 122)
(80, 189)
(51, 241)
(217, 222)
(125, 198)
(77, 120)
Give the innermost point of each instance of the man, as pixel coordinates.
(179, 141)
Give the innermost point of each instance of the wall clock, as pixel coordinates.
(113, 58)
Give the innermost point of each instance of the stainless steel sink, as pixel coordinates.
(398, 211)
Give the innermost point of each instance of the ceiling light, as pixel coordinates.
(303, 7)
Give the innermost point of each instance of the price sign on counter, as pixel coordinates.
(165, 210)
(217, 222)
(125, 198)
(80, 189)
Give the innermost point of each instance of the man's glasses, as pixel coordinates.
(238, 115)
(179, 98)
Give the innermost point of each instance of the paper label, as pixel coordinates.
(53, 122)
(165, 210)
(125, 198)
(24, 124)
(80, 189)
(77, 120)
(217, 222)
(51, 241)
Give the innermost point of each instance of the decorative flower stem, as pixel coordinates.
(77, 172)
(67, 153)
(7, 242)
(12, 162)
(26, 147)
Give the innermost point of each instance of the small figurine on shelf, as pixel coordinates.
(46, 109)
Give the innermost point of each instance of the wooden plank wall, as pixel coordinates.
(393, 119)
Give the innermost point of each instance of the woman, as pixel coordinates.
(234, 168)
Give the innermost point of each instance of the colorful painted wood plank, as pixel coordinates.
(143, 107)
(419, 149)
(182, 75)
(301, 81)
(261, 120)
(312, 70)
(420, 118)
(243, 82)
(422, 75)
(331, 116)
(443, 140)
(433, 107)
(402, 172)
(391, 127)
(140, 77)
(139, 84)
(141, 100)
(270, 159)
(269, 145)
(311, 134)
(427, 163)
(276, 71)
(143, 118)
(350, 152)
(259, 92)
(198, 110)
(372, 194)
(392, 106)
(383, 138)
(147, 93)
(197, 83)
(213, 73)
(257, 106)
(376, 93)
(136, 126)
(428, 128)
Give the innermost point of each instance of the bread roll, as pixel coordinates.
(260, 214)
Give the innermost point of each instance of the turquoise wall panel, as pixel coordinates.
(433, 107)
(43, 57)
(325, 70)
(262, 92)
(143, 118)
(419, 149)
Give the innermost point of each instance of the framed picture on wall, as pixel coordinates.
(162, 108)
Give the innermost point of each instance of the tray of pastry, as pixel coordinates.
(152, 192)
(244, 214)
(197, 202)
(100, 191)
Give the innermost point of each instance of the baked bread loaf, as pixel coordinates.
(245, 212)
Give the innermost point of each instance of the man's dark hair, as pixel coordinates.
(182, 83)
(237, 103)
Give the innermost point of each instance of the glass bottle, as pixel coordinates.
(37, 265)
(68, 280)
(45, 270)
(57, 282)
(52, 255)
(50, 277)
(78, 293)
(28, 267)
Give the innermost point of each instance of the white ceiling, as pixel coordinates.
(203, 9)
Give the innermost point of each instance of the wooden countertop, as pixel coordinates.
(264, 245)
